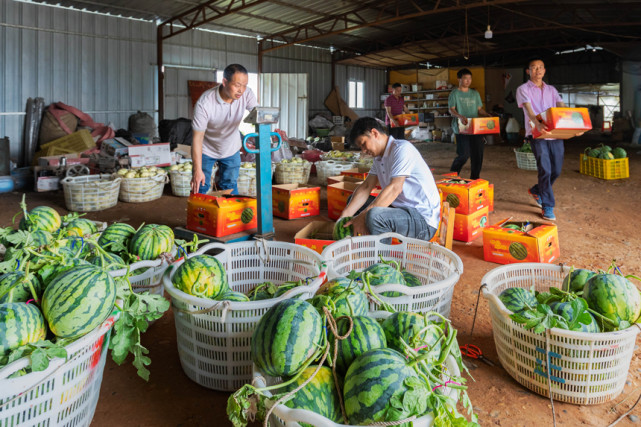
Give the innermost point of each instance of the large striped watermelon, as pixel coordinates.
(367, 334)
(287, 335)
(576, 280)
(406, 325)
(565, 310)
(151, 241)
(18, 286)
(383, 273)
(372, 380)
(78, 300)
(20, 324)
(80, 227)
(202, 276)
(340, 231)
(518, 299)
(46, 275)
(347, 296)
(116, 237)
(320, 395)
(41, 218)
(614, 297)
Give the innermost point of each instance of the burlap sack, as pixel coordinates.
(50, 128)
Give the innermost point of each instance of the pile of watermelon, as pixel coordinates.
(328, 350)
(589, 301)
(56, 286)
(606, 152)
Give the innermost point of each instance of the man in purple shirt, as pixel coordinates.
(395, 105)
(534, 97)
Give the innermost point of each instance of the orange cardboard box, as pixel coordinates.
(291, 201)
(220, 214)
(316, 235)
(564, 123)
(538, 243)
(469, 227)
(354, 172)
(466, 196)
(480, 126)
(343, 178)
(406, 119)
(490, 197)
(337, 195)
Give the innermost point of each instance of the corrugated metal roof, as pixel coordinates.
(371, 31)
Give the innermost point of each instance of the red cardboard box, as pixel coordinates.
(480, 126)
(316, 235)
(563, 123)
(533, 242)
(220, 214)
(291, 201)
(469, 227)
(337, 195)
(354, 172)
(406, 120)
(466, 196)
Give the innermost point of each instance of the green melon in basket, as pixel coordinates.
(320, 395)
(407, 326)
(41, 218)
(575, 280)
(384, 273)
(411, 280)
(347, 297)
(367, 334)
(151, 241)
(202, 276)
(116, 237)
(233, 296)
(108, 261)
(18, 286)
(80, 227)
(340, 231)
(613, 297)
(518, 299)
(20, 324)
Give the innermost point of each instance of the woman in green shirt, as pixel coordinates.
(465, 103)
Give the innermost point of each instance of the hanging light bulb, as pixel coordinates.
(488, 33)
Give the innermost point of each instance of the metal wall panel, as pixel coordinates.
(287, 91)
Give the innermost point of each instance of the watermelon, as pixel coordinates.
(411, 280)
(151, 241)
(407, 325)
(262, 291)
(116, 237)
(74, 246)
(247, 215)
(320, 395)
(614, 297)
(233, 296)
(347, 296)
(78, 300)
(367, 334)
(46, 275)
(80, 227)
(372, 380)
(383, 274)
(564, 309)
(20, 324)
(16, 286)
(41, 237)
(41, 218)
(108, 261)
(575, 281)
(340, 232)
(287, 335)
(202, 276)
(619, 153)
(518, 299)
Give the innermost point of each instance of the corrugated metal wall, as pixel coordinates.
(105, 65)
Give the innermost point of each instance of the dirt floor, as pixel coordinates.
(598, 221)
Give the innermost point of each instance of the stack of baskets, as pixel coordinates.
(437, 268)
(293, 172)
(586, 368)
(525, 160)
(91, 192)
(327, 168)
(247, 179)
(139, 190)
(214, 336)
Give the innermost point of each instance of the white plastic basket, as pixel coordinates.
(526, 161)
(91, 192)
(66, 393)
(146, 275)
(180, 183)
(214, 337)
(247, 181)
(293, 173)
(282, 416)
(327, 168)
(139, 190)
(438, 269)
(586, 368)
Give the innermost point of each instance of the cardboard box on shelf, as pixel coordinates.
(470, 227)
(531, 242)
(316, 235)
(563, 123)
(150, 155)
(480, 126)
(466, 196)
(291, 201)
(220, 214)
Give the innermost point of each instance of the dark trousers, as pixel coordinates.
(549, 162)
(397, 132)
(469, 146)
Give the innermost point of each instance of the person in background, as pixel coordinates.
(465, 103)
(534, 97)
(409, 203)
(216, 138)
(395, 105)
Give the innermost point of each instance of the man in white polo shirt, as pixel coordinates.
(216, 139)
(409, 203)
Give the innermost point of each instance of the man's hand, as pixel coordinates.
(540, 126)
(197, 179)
(463, 120)
(394, 122)
(358, 222)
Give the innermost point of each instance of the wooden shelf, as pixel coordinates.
(426, 91)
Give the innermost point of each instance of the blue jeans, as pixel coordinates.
(229, 168)
(407, 222)
(549, 162)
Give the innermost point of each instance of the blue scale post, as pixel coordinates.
(263, 118)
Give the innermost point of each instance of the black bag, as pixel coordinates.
(175, 132)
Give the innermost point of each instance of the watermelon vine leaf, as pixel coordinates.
(40, 353)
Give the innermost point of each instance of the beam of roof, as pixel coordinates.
(343, 19)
